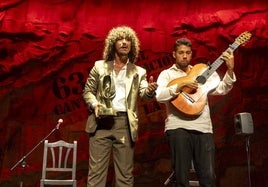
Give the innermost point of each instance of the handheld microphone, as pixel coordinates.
(60, 121)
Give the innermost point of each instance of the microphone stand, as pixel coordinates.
(23, 162)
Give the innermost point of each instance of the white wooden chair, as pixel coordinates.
(61, 160)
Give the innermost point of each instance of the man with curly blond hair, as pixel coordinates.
(116, 132)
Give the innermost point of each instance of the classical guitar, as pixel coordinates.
(191, 102)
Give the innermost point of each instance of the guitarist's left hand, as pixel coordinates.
(228, 57)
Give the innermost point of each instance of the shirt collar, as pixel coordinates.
(174, 67)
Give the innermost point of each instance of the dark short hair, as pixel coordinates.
(182, 41)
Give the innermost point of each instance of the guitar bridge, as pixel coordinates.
(188, 97)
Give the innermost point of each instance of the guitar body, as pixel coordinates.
(191, 102)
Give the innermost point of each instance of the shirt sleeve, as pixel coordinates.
(164, 93)
(225, 85)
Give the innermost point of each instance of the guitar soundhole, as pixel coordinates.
(201, 79)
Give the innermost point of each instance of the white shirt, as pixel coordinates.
(119, 102)
(174, 119)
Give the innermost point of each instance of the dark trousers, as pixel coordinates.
(187, 146)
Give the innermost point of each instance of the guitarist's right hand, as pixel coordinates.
(193, 85)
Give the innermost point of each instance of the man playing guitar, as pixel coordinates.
(188, 126)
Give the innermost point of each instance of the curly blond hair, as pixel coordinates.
(114, 35)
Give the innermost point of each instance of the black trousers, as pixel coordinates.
(187, 146)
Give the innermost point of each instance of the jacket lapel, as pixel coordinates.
(131, 71)
(108, 66)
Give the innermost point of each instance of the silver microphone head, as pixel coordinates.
(60, 121)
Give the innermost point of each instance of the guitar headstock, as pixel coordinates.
(243, 38)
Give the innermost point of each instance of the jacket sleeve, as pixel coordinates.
(91, 87)
(143, 86)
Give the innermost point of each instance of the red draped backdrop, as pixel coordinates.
(47, 48)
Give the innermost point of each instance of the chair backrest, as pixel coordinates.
(62, 158)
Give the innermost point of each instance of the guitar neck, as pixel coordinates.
(215, 65)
